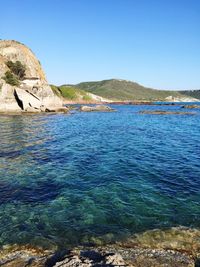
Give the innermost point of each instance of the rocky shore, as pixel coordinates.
(175, 247)
(101, 108)
(191, 106)
(163, 112)
(23, 85)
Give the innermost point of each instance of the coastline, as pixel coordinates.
(172, 247)
(152, 103)
(176, 246)
(71, 105)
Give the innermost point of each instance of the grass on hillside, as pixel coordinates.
(125, 90)
(70, 92)
(191, 93)
(118, 90)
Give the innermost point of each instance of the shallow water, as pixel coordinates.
(70, 179)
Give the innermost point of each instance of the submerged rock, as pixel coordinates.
(21, 256)
(162, 112)
(27, 89)
(96, 108)
(175, 238)
(191, 106)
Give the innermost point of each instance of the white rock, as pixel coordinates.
(27, 99)
(34, 90)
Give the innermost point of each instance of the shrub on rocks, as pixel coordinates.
(11, 79)
(17, 68)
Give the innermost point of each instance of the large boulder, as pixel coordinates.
(32, 91)
(26, 99)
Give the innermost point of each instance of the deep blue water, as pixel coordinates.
(68, 179)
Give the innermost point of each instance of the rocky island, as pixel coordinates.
(23, 85)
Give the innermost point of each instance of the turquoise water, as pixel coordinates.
(73, 179)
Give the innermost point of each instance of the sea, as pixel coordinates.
(97, 177)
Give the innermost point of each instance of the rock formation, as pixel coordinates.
(181, 99)
(191, 106)
(30, 91)
(173, 247)
(164, 112)
(102, 108)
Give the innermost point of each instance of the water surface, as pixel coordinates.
(71, 179)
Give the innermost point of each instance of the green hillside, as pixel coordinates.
(125, 90)
(70, 93)
(191, 93)
(118, 90)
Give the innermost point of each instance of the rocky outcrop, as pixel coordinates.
(32, 92)
(102, 257)
(181, 99)
(191, 106)
(173, 247)
(102, 108)
(162, 112)
(111, 257)
(99, 99)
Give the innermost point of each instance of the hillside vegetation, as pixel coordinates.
(118, 90)
(125, 90)
(71, 93)
(191, 93)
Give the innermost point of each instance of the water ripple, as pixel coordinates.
(73, 179)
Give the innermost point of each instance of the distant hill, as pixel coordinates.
(125, 90)
(118, 90)
(191, 93)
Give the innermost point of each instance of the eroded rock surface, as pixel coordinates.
(101, 257)
(102, 108)
(175, 238)
(174, 247)
(32, 93)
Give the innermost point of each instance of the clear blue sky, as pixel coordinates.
(153, 42)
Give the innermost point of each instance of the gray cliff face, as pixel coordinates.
(33, 93)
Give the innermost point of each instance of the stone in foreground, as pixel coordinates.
(173, 247)
(102, 257)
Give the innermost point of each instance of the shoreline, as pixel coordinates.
(176, 246)
(150, 103)
(68, 106)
